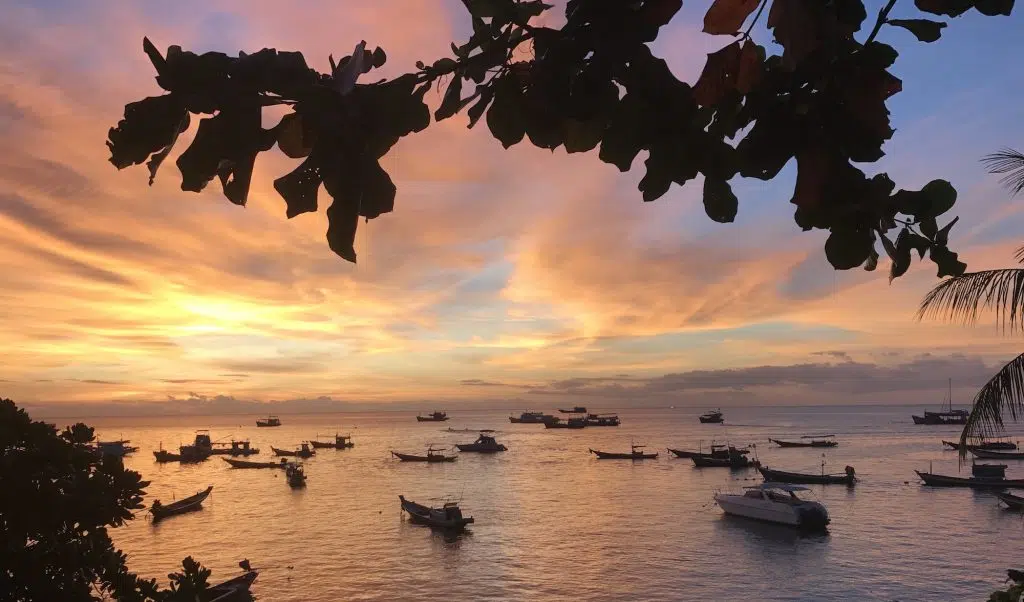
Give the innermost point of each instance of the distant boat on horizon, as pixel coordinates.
(435, 416)
(949, 416)
(712, 417)
(268, 421)
(575, 410)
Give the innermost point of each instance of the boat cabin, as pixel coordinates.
(783, 493)
(989, 471)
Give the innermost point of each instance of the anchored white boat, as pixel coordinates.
(776, 503)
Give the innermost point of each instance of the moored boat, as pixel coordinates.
(636, 453)
(948, 416)
(231, 590)
(247, 464)
(808, 441)
(781, 476)
(712, 417)
(119, 448)
(1013, 502)
(268, 421)
(554, 422)
(448, 516)
(731, 461)
(340, 442)
(603, 420)
(717, 451)
(194, 502)
(575, 410)
(983, 445)
(484, 443)
(528, 418)
(435, 416)
(295, 475)
(304, 451)
(432, 456)
(997, 455)
(234, 448)
(983, 476)
(776, 503)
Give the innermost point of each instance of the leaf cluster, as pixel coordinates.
(593, 83)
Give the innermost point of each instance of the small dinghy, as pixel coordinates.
(432, 456)
(782, 476)
(448, 516)
(195, 502)
(636, 453)
(776, 503)
(302, 452)
(1013, 502)
(247, 464)
(484, 443)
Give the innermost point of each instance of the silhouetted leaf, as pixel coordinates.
(993, 8)
(379, 57)
(149, 125)
(299, 188)
(625, 134)
(942, 236)
(872, 262)
(477, 110)
(890, 249)
(941, 197)
(947, 261)
(505, 117)
(720, 203)
(582, 136)
(342, 221)
(718, 76)
(952, 8)
(928, 227)
(812, 172)
(452, 100)
(291, 137)
(154, 163)
(796, 30)
(924, 29)
(880, 55)
(656, 13)
(727, 16)
(901, 257)
(751, 67)
(848, 248)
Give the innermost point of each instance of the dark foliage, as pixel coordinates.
(59, 498)
(594, 83)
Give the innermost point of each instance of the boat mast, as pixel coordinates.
(950, 393)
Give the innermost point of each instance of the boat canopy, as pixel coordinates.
(780, 486)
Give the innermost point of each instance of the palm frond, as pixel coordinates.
(1002, 394)
(1010, 162)
(1019, 254)
(963, 298)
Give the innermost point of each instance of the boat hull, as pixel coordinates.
(284, 453)
(735, 462)
(483, 449)
(781, 476)
(433, 459)
(421, 514)
(230, 590)
(808, 515)
(802, 444)
(711, 419)
(989, 446)
(1013, 502)
(938, 480)
(939, 419)
(623, 456)
(997, 455)
(246, 464)
(189, 504)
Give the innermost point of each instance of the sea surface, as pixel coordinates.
(555, 523)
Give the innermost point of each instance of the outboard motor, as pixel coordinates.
(850, 472)
(813, 516)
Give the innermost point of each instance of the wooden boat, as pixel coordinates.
(528, 418)
(782, 476)
(575, 410)
(949, 416)
(819, 441)
(983, 476)
(603, 420)
(430, 457)
(554, 422)
(1013, 502)
(247, 464)
(635, 453)
(340, 442)
(234, 448)
(161, 511)
(734, 461)
(997, 455)
(983, 445)
(187, 454)
(435, 416)
(717, 451)
(162, 455)
(268, 421)
(484, 443)
(302, 452)
(448, 516)
(295, 475)
(712, 417)
(230, 590)
(119, 448)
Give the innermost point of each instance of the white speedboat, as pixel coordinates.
(776, 503)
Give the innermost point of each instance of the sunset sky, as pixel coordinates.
(521, 276)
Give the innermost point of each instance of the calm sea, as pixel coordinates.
(554, 523)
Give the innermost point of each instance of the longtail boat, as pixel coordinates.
(1013, 502)
(811, 441)
(997, 455)
(247, 464)
(983, 476)
(161, 511)
(448, 516)
(230, 590)
(436, 416)
(636, 453)
(781, 476)
(302, 452)
(340, 442)
(983, 445)
(431, 456)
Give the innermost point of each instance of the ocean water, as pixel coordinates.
(554, 523)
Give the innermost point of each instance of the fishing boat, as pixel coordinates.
(187, 454)
(808, 441)
(997, 455)
(636, 453)
(340, 442)
(484, 443)
(948, 416)
(304, 451)
(435, 416)
(233, 448)
(776, 503)
(119, 448)
(983, 445)
(848, 477)
(734, 461)
(432, 456)
(712, 417)
(247, 464)
(554, 422)
(268, 421)
(448, 516)
(231, 590)
(1013, 502)
(983, 476)
(603, 420)
(575, 410)
(528, 418)
(295, 475)
(195, 502)
(717, 451)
